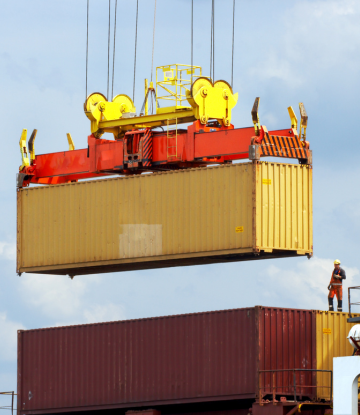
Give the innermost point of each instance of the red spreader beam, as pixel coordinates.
(150, 151)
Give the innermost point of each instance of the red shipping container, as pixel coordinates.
(202, 357)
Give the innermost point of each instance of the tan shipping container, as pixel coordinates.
(332, 330)
(199, 216)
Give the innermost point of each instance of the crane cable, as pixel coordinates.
(192, 38)
(87, 48)
(152, 58)
(212, 41)
(136, 26)
(108, 74)
(113, 69)
(232, 57)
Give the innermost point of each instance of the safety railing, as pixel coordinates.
(9, 407)
(350, 303)
(177, 79)
(298, 388)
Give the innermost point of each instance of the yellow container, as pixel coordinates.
(198, 216)
(332, 330)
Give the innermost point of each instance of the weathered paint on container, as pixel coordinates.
(182, 359)
(188, 217)
(332, 330)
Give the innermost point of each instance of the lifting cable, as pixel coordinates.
(136, 26)
(113, 69)
(152, 58)
(108, 74)
(212, 42)
(192, 37)
(87, 47)
(232, 57)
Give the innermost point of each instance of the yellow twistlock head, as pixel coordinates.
(23, 150)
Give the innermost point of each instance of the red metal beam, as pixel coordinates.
(197, 146)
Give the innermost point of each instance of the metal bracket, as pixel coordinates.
(303, 122)
(255, 115)
(31, 145)
(254, 152)
(20, 177)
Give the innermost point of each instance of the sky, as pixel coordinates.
(285, 52)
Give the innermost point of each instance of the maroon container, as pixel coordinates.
(203, 357)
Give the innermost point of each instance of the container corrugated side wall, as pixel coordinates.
(332, 330)
(176, 359)
(203, 357)
(284, 207)
(152, 217)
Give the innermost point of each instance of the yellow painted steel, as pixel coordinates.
(23, 150)
(212, 101)
(293, 118)
(332, 330)
(190, 96)
(97, 109)
(164, 216)
(173, 82)
(70, 142)
(146, 101)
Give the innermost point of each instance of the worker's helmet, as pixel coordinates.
(337, 262)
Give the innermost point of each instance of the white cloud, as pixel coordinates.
(307, 281)
(317, 36)
(108, 312)
(7, 251)
(8, 336)
(53, 295)
(66, 301)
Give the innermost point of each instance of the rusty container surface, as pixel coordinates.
(181, 359)
(332, 330)
(198, 216)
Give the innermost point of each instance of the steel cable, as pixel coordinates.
(108, 75)
(87, 48)
(152, 58)
(232, 57)
(213, 41)
(113, 69)
(192, 37)
(136, 26)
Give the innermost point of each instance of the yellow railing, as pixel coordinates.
(175, 81)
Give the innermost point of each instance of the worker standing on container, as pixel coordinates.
(335, 286)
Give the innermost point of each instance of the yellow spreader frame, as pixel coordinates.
(190, 95)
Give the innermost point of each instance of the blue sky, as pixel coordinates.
(285, 52)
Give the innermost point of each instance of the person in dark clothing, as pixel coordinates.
(335, 286)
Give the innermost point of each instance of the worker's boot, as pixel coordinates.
(339, 306)
(331, 304)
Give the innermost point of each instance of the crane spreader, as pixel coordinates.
(138, 145)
